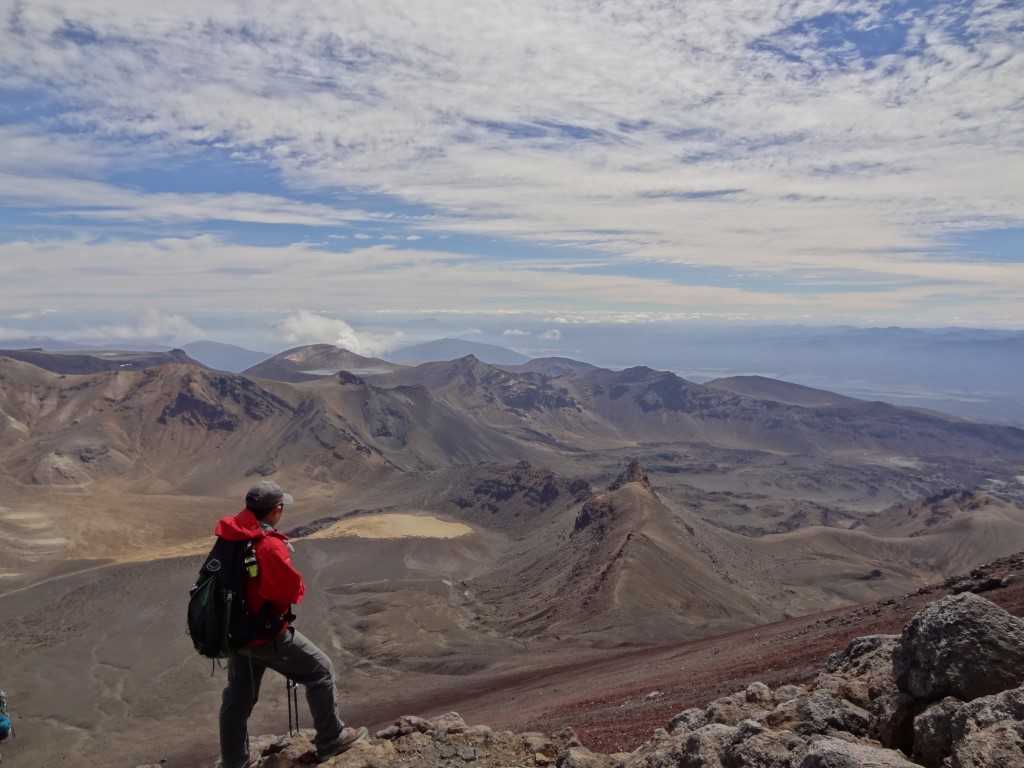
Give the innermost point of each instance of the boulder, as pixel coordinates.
(989, 732)
(581, 757)
(863, 674)
(566, 736)
(820, 712)
(450, 722)
(787, 693)
(836, 753)
(760, 694)
(482, 732)
(704, 747)
(892, 720)
(539, 743)
(299, 750)
(411, 723)
(932, 732)
(390, 732)
(731, 710)
(754, 746)
(687, 720)
(862, 671)
(962, 646)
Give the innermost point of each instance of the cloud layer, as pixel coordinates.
(824, 154)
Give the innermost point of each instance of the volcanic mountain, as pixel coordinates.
(763, 388)
(449, 349)
(94, 361)
(315, 361)
(224, 357)
(596, 407)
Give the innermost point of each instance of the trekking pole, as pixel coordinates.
(292, 692)
(288, 696)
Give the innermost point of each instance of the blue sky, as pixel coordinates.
(348, 171)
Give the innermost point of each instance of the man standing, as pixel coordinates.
(270, 594)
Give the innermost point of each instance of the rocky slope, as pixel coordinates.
(945, 693)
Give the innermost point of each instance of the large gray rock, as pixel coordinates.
(820, 712)
(581, 757)
(933, 739)
(989, 732)
(837, 753)
(962, 646)
(863, 671)
(734, 709)
(787, 692)
(700, 748)
(754, 746)
(688, 720)
(450, 722)
(704, 747)
(892, 720)
(760, 694)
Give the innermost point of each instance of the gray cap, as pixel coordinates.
(266, 495)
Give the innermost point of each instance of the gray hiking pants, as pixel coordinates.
(294, 656)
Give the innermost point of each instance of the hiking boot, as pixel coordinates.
(346, 739)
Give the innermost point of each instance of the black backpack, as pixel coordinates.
(218, 617)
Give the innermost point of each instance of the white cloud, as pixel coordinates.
(106, 202)
(117, 276)
(305, 327)
(666, 132)
(552, 334)
(153, 326)
(515, 332)
(413, 237)
(15, 334)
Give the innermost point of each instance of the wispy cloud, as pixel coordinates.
(152, 326)
(824, 135)
(85, 199)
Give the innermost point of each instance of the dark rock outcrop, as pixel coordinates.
(933, 739)
(633, 473)
(838, 753)
(962, 646)
(989, 732)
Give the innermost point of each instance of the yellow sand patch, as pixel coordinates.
(200, 547)
(394, 526)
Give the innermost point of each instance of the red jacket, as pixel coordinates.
(277, 582)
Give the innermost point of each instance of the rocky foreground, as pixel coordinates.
(946, 693)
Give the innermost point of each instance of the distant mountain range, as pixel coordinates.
(971, 373)
(452, 349)
(224, 357)
(39, 342)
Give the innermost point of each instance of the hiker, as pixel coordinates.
(272, 592)
(6, 726)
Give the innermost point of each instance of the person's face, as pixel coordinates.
(275, 517)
